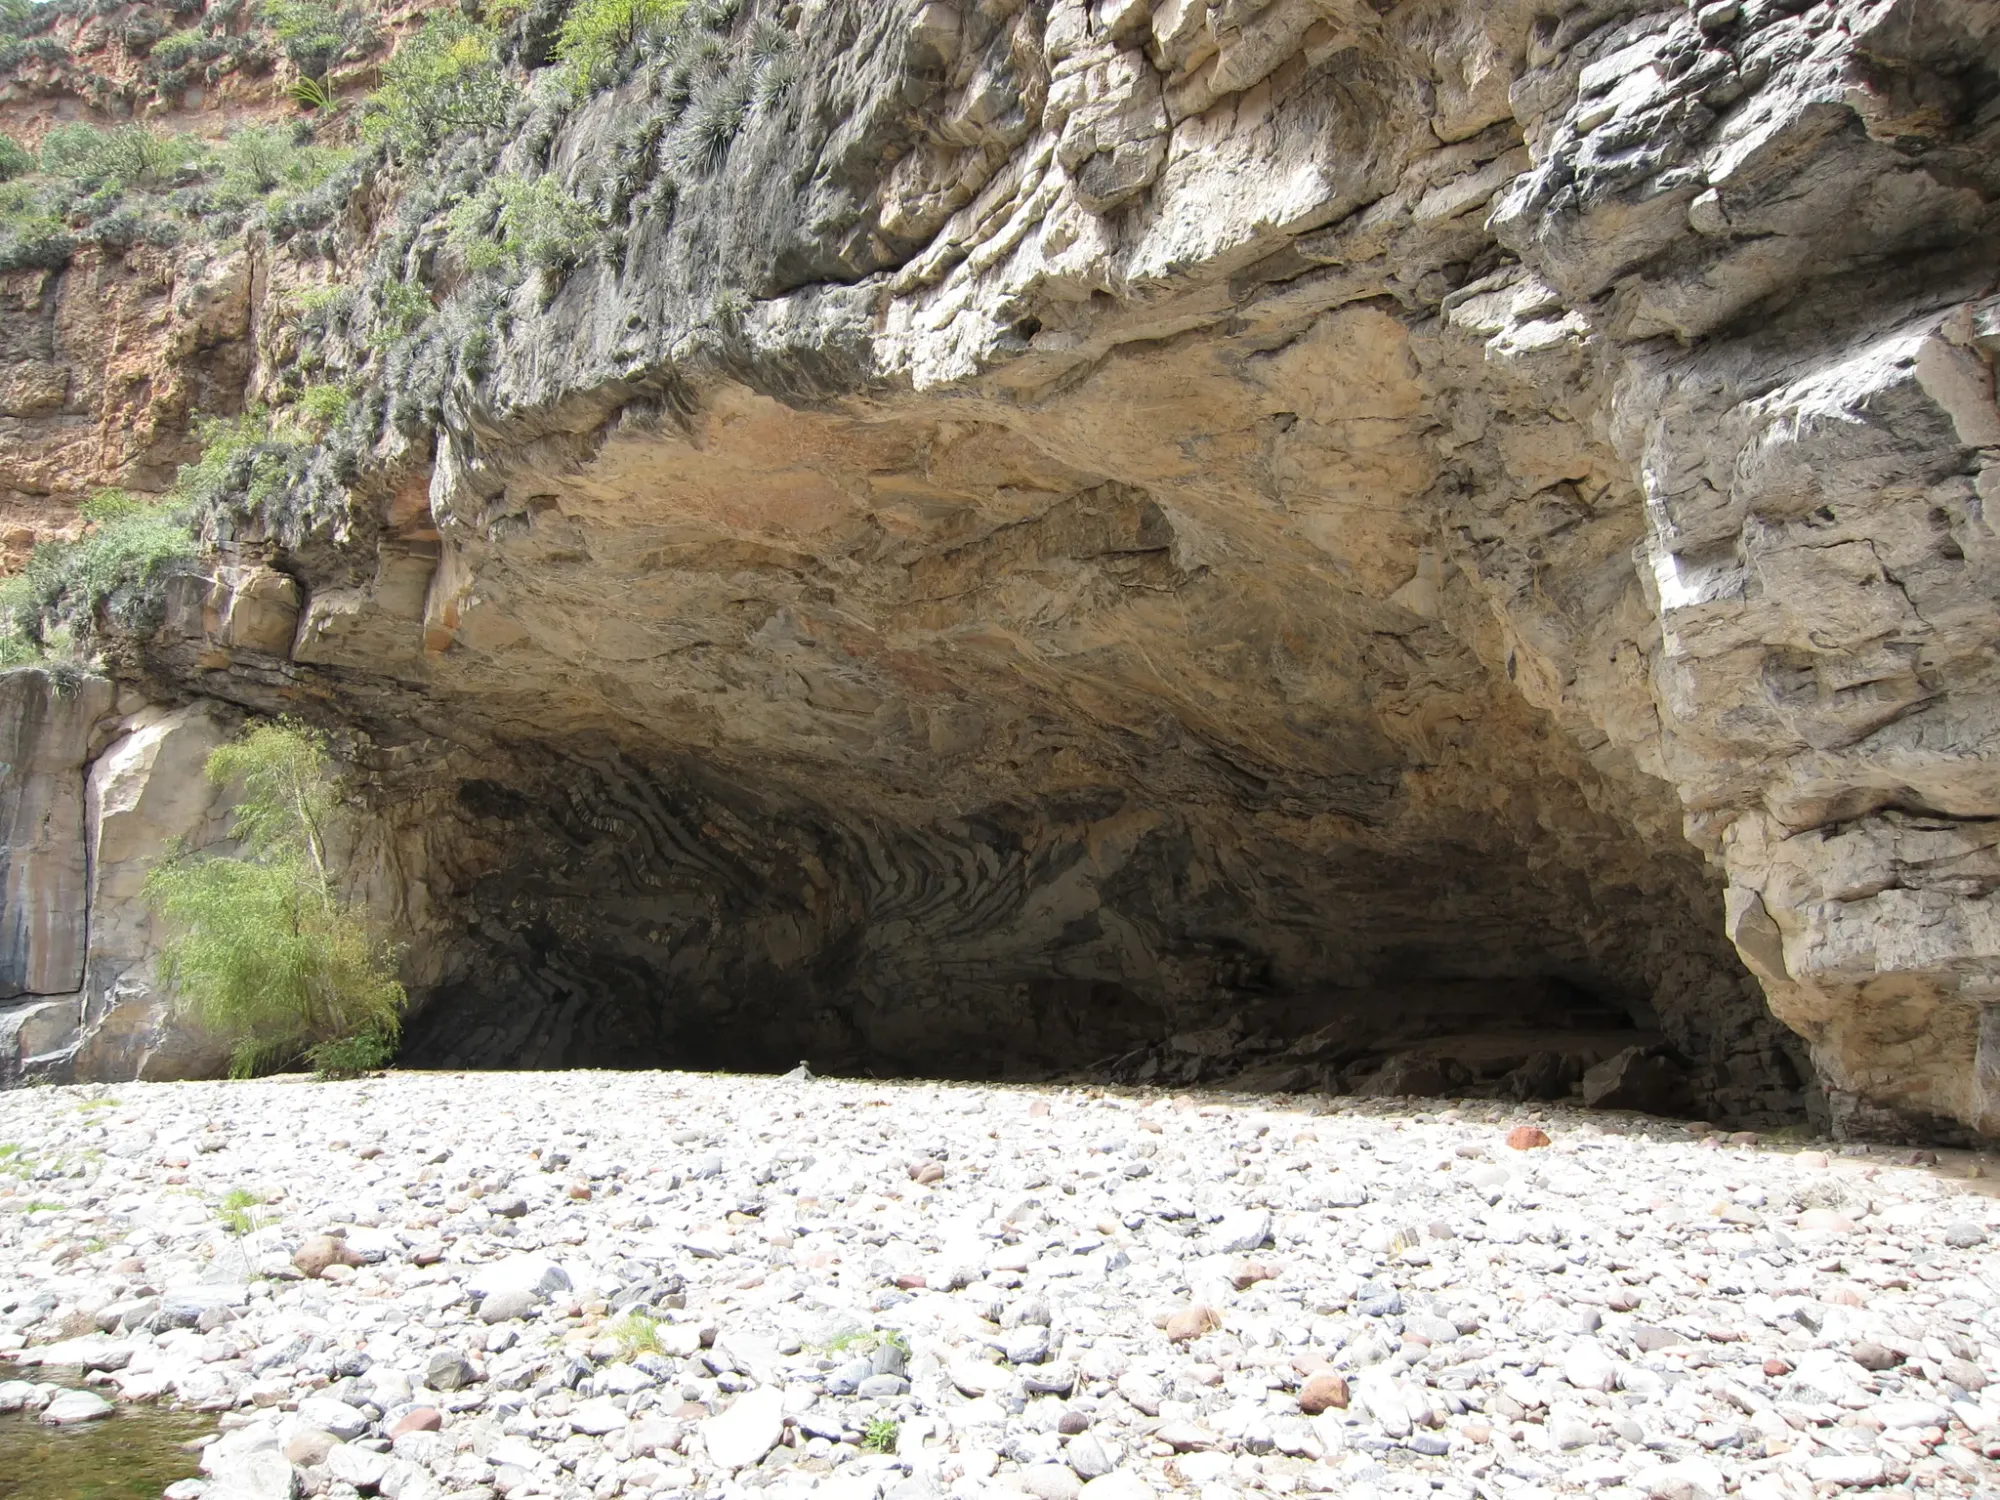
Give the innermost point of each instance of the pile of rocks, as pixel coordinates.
(656, 1284)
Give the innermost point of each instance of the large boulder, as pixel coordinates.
(1639, 1078)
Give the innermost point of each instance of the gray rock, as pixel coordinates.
(73, 1408)
(1087, 1456)
(448, 1371)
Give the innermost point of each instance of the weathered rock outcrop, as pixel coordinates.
(90, 799)
(1095, 522)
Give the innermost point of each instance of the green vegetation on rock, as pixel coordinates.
(128, 548)
(445, 79)
(598, 34)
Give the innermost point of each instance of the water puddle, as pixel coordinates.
(131, 1455)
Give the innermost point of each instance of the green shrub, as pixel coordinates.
(182, 48)
(596, 34)
(264, 950)
(880, 1435)
(250, 455)
(405, 307)
(259, 156)
(130, 547)
(351, 1056)
(516, 221)
(34, 240)
(235, 1211)
(128, 156)
(316, 309)
(16, 160)
(318, 37)
(443, 80)
(320, 406)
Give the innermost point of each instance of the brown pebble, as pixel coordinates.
(1527, 1137)
(926, 1172)
(309, 1446)
(420, 1419)
(1323, 1391)
(1072, 1423)
(1743, 1138)
(580, 1191)
(1192, 1322)
(1873, 1356)
(1250, 1272)
(913, 1281)
(320, 1251)
(1775, 1367)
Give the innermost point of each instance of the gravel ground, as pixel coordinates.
(667, 1284)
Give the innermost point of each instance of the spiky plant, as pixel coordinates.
(714, 116)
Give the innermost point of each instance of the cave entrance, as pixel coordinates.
(674, 921)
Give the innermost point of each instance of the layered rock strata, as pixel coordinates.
(1092, 524)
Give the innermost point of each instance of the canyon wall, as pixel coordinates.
(1394, 545)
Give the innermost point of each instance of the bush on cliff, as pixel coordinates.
(113, 570)
(445, 79)
(318, 37)
(265, 951)
(516, 222)
(597, 34)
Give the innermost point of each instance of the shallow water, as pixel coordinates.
(132, 1455)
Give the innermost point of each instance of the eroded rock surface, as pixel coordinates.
(1091, 524)
(110, 794)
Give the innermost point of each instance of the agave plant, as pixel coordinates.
(313, 93)
(714, 116)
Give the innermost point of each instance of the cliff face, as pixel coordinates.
(1326, 532)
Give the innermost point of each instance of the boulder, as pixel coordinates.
(1639, 1079)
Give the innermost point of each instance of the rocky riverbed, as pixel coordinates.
(668, 1284)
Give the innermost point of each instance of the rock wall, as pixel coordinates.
(1324, 526)
(90, 798)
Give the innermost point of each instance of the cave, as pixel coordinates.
(1039, 767)
(662, 916)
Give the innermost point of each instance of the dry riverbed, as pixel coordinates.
(594, 1284)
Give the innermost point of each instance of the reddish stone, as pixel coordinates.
(1250, 1272)
(1527, 1137)
(1323, 1391)
(423, 1419)
(1192, 1322)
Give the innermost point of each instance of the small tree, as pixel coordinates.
(443, 80)
(266, 952)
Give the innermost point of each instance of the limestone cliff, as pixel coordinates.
(1295, 532)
